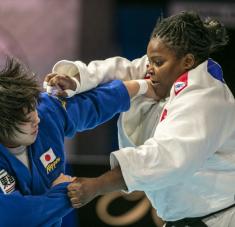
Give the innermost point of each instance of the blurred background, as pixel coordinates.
(41, 32)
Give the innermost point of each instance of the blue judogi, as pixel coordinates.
(26, 198)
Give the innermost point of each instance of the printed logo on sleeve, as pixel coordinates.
(62, 102)
(49, 160)
(7, 182)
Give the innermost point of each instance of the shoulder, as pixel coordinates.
(208, 76)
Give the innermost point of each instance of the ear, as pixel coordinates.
(189, 61)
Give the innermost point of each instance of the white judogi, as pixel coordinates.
(98, 72)
(187, 167)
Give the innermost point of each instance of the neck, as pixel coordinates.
(17, 150)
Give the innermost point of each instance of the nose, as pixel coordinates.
(149, 66)
(150, 70)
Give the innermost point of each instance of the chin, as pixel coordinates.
(166, 93)
(27, 143)
(30, 142)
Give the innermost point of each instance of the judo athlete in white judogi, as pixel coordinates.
(33, 187)
(180, 151)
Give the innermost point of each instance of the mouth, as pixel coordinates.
(149, 74)
(154, 82)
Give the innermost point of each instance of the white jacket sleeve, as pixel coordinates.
(102, 71)
(195, 127)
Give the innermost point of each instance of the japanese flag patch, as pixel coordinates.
(181, 83)
(7, 182)
(49, 160)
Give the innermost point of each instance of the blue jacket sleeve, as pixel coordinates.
(39, 210)
(86, 110)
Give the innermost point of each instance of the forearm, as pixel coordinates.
(111, 181)
(132, 87)
(136, 87)
(97, 72)
(22, 208)
(84, 190)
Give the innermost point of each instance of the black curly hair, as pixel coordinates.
(187, 33)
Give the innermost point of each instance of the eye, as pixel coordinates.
(158, 63)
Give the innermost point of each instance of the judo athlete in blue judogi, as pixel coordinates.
(33, 187)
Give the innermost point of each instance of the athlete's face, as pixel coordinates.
(29, 129)
(164, 67)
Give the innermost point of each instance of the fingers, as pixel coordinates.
(58, 80)
(49, 77)
(59, 84)
(74, 179)
(75, 199)
(74, 193)
(81, 192)
(74, 186)
(61, 93)
(76, 204)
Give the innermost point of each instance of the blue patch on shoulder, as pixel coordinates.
(215, 70)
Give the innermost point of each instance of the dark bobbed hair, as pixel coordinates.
(187, 33)
(19, 95)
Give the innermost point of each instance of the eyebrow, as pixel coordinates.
(156, 57)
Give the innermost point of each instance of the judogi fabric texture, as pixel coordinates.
(186, 165)
(26, 197)
(139, 123)
(97, 72)
(187, 168)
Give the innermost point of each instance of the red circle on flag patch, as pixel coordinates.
(47, 157)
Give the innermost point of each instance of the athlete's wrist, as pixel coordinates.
(143, 87)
